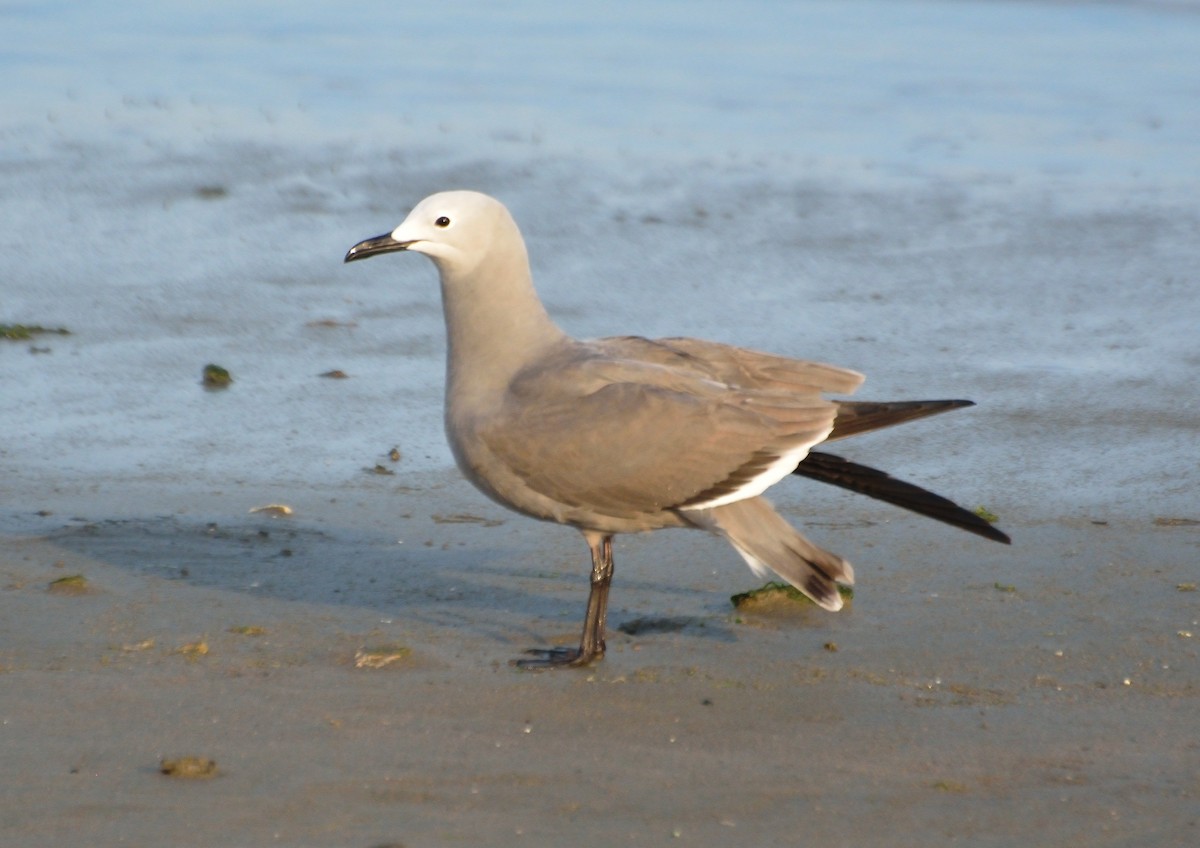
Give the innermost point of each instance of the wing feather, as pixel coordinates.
(629, 437)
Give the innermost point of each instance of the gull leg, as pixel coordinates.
(591, 643)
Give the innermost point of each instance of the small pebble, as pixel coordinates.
(188, 767)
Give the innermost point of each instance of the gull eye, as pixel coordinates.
(442, 222)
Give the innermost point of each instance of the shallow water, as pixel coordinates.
(1028, 91)
(990, 200)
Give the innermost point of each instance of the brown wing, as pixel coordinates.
(629, 437)
(735, 366)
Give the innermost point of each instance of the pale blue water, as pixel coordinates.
(1015, 90)
(984, 199)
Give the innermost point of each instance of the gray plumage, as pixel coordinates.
(627, 434)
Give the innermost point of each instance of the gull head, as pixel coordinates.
(456, 229)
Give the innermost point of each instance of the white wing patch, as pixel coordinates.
(767, 478)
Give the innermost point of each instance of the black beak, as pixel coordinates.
(380, 244)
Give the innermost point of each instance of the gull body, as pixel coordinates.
(627, 434)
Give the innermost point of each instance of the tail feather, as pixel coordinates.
(879, 485)
(859, 416)
(768, 543)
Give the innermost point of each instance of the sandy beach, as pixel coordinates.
(944, 703)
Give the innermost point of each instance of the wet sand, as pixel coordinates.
(1056, 705)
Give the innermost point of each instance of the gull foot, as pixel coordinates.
(544, 658)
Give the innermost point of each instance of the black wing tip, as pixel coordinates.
(990, 531)
(955, 516)
(828, 468)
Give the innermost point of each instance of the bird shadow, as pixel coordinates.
(491, 591)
